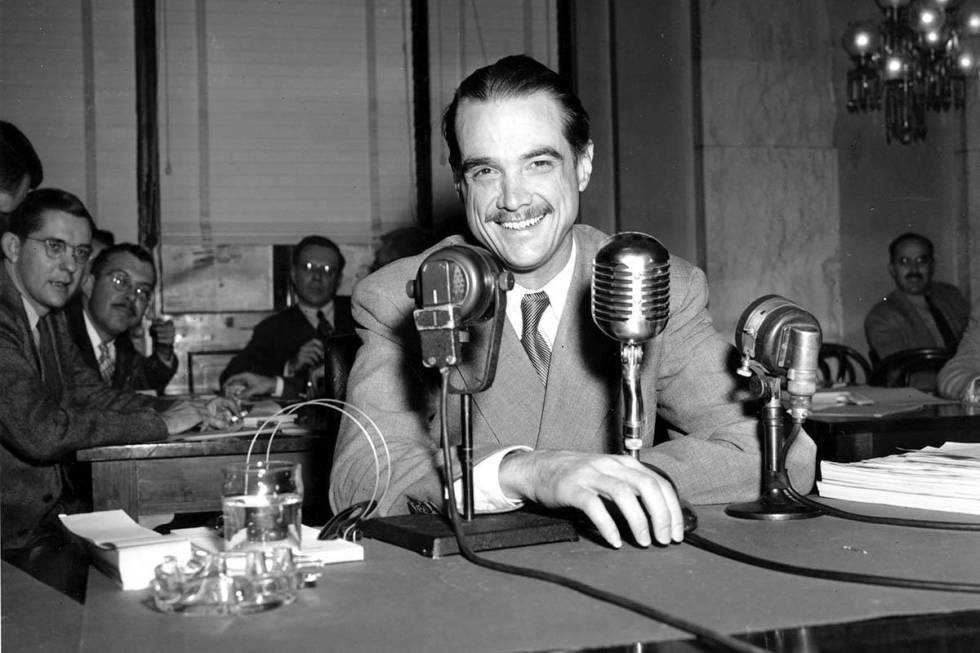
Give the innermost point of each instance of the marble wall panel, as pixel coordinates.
(775, 103)
(771, 222)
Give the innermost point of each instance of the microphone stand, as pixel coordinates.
(432, 535)
(631, 355)
(775, 503)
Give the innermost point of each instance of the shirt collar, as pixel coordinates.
(556, 289)
(310, 312)
(93, 335)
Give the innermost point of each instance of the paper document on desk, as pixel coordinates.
(326, 551)
(870, 401)
(123, 549)
(262, 414)
(946, 478)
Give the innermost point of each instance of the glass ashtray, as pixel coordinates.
(232, 582)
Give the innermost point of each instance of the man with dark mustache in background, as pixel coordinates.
(920, 312)
(112, 300)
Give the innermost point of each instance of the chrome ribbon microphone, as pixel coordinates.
(631, 304)
(785, 340)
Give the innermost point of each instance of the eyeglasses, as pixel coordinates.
(121, 282)
(310, 267)
(55, 248)
(905, 261)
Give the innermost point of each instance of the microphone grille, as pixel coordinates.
(631, 287)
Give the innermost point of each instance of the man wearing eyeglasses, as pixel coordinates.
(288, 348)
(920, 312)
(52, 404)
(113, 299)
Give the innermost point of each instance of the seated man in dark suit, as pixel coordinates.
(112, 302)
(287, 346)
(53, 403)
(920, 312)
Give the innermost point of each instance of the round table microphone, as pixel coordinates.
(631, 304)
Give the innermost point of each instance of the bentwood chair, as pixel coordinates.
(842, 365)
(911, 367)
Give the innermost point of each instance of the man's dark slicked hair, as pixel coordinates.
(28, 217)
(907, 236)
(99, 262)
(320, 241)
(516, 76)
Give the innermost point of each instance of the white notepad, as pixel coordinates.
(122, 549)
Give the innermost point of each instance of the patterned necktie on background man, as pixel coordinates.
(106, 366)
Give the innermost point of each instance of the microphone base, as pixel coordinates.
(774, 505)
(433, 536)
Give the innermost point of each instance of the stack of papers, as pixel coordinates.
(946, 478)
(122, 549)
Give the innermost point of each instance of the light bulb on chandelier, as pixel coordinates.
(918, 59)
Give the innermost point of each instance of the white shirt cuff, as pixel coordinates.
(280, 386)
(487, 495)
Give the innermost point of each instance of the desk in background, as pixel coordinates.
(396, 600)
(847, 439)
(185, 476)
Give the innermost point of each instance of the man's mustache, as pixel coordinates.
(528, 213)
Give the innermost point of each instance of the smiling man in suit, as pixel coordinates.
(113, 300)
(521, 153)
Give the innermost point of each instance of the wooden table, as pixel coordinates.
(396, 600)
(185, 476)
(846, 439)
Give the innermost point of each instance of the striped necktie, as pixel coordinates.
(533, 306)
(106, 365)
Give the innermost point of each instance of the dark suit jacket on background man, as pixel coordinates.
(133, 370)
(277, 338)
(894, 324)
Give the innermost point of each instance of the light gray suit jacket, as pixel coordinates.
(960, 370)
(714, 455)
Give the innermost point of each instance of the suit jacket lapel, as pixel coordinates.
(582, 390)
(515, 393)
(13, 302)
(583, 387)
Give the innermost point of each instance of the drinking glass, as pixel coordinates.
(262, 504)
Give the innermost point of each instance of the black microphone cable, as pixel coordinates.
(844, 576)
(829, 574)
(720, 640)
